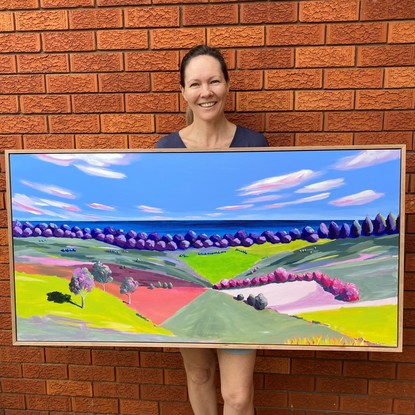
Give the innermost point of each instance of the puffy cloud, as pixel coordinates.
(150, 209)
(321, 186)
(360, 198)
(101, 172)
(367, 158)
(50, 189)
(273, 184)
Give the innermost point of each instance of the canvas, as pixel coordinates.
(279, 248)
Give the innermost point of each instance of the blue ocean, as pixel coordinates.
(210, 227)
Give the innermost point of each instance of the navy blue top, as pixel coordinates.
(243, 137)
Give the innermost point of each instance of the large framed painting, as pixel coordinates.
(278, 248)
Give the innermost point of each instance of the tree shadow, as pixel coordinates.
(60, 298)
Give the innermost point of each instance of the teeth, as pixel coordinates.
(207, 104)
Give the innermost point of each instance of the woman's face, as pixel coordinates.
(205, 88)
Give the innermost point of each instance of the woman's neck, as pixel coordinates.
(200, 134)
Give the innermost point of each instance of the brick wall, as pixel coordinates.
(103, 74)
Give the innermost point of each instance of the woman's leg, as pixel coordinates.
(200, 365)
(236, 375)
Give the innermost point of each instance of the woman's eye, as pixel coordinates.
(215, 81)
(193, 85)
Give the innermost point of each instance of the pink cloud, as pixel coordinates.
(235, 207)
(150, 209)
(99, 206)
(360, 198)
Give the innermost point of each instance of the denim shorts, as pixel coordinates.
(238, 351)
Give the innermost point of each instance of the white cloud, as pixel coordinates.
(309, 199)
(235, 207)
(50, 189)
(99, 206)
(367, 158)
(360, 198)
(101, 172)
(150, 209)
(321, 186)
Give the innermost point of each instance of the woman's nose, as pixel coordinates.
(206, 91)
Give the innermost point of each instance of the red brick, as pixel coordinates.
(404, 407)
(325, 56)
(114, 357)
(55, 141)
(134, 407)
(222, 14)
(175, 377)
(401, 32)
(295, 34)
(139, 375)
(294, 122)
(116, 390)
(406, 371)
(324, 139)
(268, 58)
(42, 63)
(7, 64)
(334, 10)
(143, 140)
(124, 2)
(97, 103)
(41, 20)
(122, 39)
(8, 104)
(316, 367)
(265, 12)
(353, 78)
(161, 360)
(69, 388)
(176, 38)
(92, 373)
(163, 393)
(391, 389)
(101, 141)
(175, 408)
(353, 121)
(356, 33)
(59, 84)
(384, 99)
(21, 84)
(254, 121)
(246, 80)
(68, 41)
(23, 124)
(124, 82)
(400, 120)
(270, 398)
(165, 82)
(102, 62)
(152, 61)
(100, 405)
(310, 401)
(59, 403)
(384, 137)
(6, 22)
(127, 123)
(289, 382)
(21, 355)
(95, 19)
(10, 142)
(240, 36)
(65, 3)
(394, 55)
(152, 17)
(280, 139)
(169, 123)
(324, 100)
(390, 10)
(28, 386)
(153, 102)
(74, 123)
(45, 104)
(9, 370)
(264, 101)
(400, 77)
(19, 4)
(293, 79)
(365, 404)
(44, 371)
(12, 401)
(341, 385)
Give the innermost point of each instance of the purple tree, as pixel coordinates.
(82, 283)
(101, 273)
(128, 286)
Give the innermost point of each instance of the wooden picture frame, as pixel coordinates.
(269, 248)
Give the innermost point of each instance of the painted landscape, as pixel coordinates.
(291, 275)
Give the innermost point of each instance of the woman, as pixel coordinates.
(204, 83)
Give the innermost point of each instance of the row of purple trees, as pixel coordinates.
(345, 291)
(154, 241)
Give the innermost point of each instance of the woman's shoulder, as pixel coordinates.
(172, 140)
(244, 137)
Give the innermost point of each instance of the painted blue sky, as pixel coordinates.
(245, 185)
